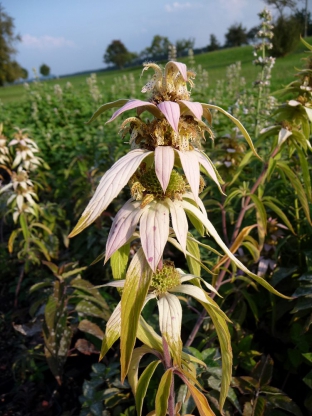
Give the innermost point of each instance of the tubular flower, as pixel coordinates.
(170, 141)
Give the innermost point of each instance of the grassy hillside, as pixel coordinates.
(214, 62)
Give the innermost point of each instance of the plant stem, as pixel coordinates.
(235, 234)
(168, 364)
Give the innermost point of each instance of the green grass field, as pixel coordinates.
(214, 62)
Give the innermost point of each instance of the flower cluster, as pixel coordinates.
(23, 197)
(25, 151)
(163, 170)
(265, 34)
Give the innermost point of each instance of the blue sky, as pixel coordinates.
(72, 35)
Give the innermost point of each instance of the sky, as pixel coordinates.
(72, 35)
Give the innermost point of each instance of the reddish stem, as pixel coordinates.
(235, 234)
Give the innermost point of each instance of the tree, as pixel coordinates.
(158, 48)
(24, 73)
(183, 45)
(9, 69)
(251, 34)
(236, 36)
(305, 21)
(280, 5)
(117, 54)
(214, 44)
(286, 35)
(44, 70)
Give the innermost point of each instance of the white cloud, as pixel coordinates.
(46, 42)
(233, 6)
(177, 6)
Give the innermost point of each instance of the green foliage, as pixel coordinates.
(236, 36)
(273, 240)
(214, 44)
(9, 69)
(44, 70)
(117, 54)
(286, 35)
(157, 49)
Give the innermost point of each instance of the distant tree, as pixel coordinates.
(183, 45)
(9, 69)
(24, 74)
(280, 5)
(305, 21)
(15, 72)
(236, 36)
(117, 54)
(44, 70)
(251, 34)
(214, 44)
(286, 35)
(158, 48)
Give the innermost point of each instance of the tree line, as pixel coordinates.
(287, 29)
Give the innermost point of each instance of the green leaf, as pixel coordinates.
(305, 172)
(107, 106)
(261, 219)
(308, 356)
(143, 385)
(285, 403)
(263, 371)
(238, 124)
(119, 261)
(91, 328)
(39, 225)
(306, 44)
(251, 303)
(137, 283)
(137, 355)
(42, 248)
(112, 331)
(163, 392)
(308, 379)
(297, 186)
(199, 399)
(148, 336)
(213, 232)
(259, 406)
(24, 226)
(280, 213)
(39, 286)
(12, 238)
(245, 161)
(224, 338)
